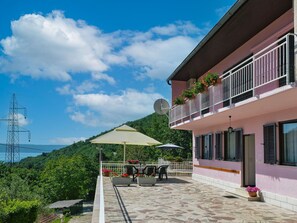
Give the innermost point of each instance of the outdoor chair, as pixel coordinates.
(149, 170)
(131, 170)
(161, 171)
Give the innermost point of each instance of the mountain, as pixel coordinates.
(155, 126)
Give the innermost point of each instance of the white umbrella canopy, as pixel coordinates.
(125, 135)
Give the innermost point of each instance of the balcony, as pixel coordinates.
(267, 72)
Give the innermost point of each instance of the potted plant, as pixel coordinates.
(211, 79)
(189, 93)
(199, 87)
(252, 191)
(179, 100)
(106, 172)
(146, 180)
(124, 179)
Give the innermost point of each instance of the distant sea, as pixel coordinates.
(28, 150)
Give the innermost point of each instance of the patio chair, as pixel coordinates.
(162, 170)
(149, 170)
(131, 170)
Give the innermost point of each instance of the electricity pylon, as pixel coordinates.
(12, 144)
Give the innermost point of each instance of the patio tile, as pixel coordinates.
(181, 199)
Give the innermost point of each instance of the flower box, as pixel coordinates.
(106, 172)
(146, 181)
(121, 181)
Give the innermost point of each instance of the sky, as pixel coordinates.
(85, 66)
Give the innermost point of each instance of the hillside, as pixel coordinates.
(153, 125)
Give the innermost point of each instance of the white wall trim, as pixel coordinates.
(270, 198)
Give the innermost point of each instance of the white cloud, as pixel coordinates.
(71, 89)
(22, 120)
(179, 28)
(222, 11)
(67, 140)
(110, 110)
(54, 47)
(158, 58)
(101, 76)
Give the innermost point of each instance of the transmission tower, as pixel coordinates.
(12, 144)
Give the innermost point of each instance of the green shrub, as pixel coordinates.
(199, 87)
(179, 100)
(211, 79)
(189, 93)
(15, 211)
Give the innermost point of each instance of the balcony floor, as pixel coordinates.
(181, 199)
(274, 101)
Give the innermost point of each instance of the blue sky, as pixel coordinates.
(82, 67)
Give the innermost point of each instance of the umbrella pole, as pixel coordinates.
(124, 152)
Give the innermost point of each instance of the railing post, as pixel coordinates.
(212, 93)
(254, 75)
(230, 88)
(200, 103)
(287, 60)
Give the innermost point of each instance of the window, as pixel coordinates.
(219, 145)
(233, 145)
(207, 146)
(197, 147)
(270, 143)
(288, 143)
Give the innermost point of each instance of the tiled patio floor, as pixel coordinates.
(181, 199)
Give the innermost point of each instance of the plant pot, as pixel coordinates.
(252, 194)
(106, 174)
(146, 181)
(121, 181)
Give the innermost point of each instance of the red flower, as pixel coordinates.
(106, 170)
(133, 161)
(125, 175)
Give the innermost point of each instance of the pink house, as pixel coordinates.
(245, 126)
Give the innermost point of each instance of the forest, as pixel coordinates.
(28, 186)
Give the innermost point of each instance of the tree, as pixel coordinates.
(68, 178)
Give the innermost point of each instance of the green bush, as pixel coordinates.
(15, 211)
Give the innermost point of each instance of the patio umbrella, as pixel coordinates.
(125, 135)
(169, 146)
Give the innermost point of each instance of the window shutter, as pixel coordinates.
(270, 143)
(218, 137)
(197, 147)
(239, 144)
(225, 144)
(210, 149)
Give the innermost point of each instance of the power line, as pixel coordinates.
(25, 147)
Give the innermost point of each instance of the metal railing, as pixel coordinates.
(260, 73)
(174, 167)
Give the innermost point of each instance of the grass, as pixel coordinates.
(66, 219)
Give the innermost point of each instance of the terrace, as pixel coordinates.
(266, 73)
(180, 199)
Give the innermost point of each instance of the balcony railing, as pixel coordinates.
(271, 68)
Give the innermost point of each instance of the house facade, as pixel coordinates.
(244, 126)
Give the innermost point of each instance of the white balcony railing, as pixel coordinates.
(266, 70)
